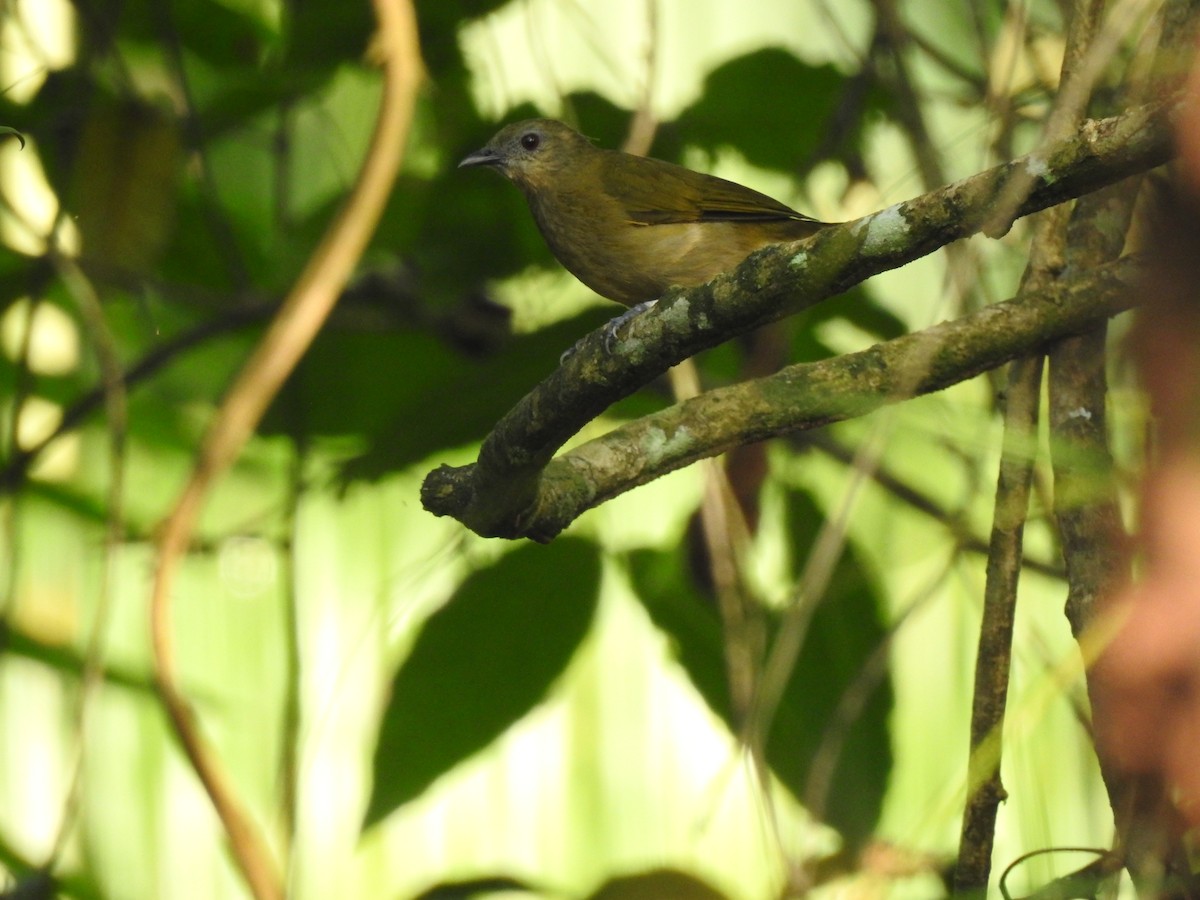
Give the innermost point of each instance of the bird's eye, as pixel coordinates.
(531, 140)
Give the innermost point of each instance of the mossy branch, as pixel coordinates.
(512, 491)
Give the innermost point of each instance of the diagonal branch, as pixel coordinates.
(796, 398)
(495, 496)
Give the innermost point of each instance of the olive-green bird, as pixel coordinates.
(629, 227)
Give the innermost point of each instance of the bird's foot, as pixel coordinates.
(610, 331)
(615, 324)
(569, 352)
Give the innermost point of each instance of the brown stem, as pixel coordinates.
(1085, 504)
(985, 791)
(302, 313)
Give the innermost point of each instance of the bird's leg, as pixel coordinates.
(616, 323)
(610, 330)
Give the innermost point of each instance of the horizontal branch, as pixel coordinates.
(799, 397)
(497, 496)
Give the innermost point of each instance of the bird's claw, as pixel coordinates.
(609, 331)
(615, 324)
(569, 352)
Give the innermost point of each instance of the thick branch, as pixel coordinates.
(496, 495)
(796, 398)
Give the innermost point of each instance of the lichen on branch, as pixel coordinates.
(514, 489)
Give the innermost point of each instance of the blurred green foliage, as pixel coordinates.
(357, 660)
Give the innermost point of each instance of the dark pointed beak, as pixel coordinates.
(484, 157)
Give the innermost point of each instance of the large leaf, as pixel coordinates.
(768, 135)
(844, 636)
(411, 395)
(481, 663)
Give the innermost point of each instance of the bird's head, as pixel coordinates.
(532, 153)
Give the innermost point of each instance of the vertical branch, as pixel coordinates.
(299, 319)
(985, 788)
(1047, 261)
(1085, 505)
(289, 758)
(644, 123)
(289, 752)
(1089, 521)
(10, 444)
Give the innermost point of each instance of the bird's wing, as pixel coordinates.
(654, 192)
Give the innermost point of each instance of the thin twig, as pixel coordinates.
(117, 410)
(857, 693)
(21, 458)
(289, 335)
(955, 523)
(985, 790)
(218, 223)
(1082, 68)
(993, 661)
(964, 286)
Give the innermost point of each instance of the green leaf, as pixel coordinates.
(326, 35)
(411, 395)
(768, 134)
(482, 662)
(219, 34)
(845, 634)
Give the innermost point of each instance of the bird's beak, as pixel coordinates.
(484, 157)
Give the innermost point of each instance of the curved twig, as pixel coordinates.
(289, 335)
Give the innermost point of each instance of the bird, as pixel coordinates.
(631, 227)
